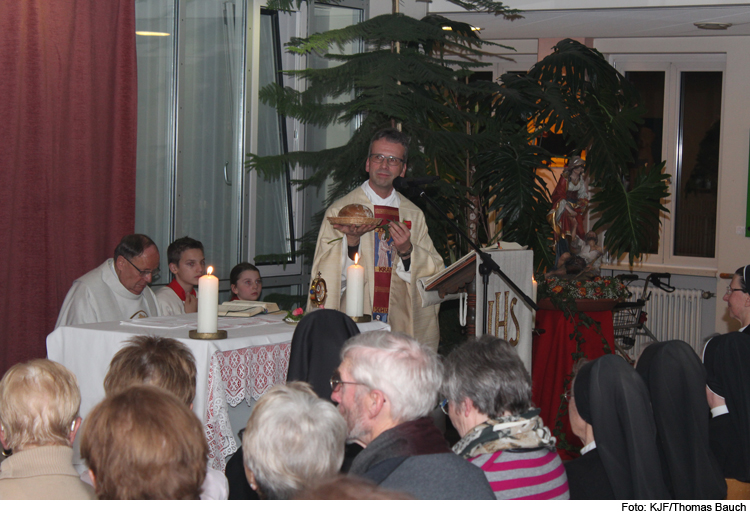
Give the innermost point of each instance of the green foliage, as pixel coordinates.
(479, 138)
(418, 87)
(592, 104)
(574, 91)
(509, 172)
(629, 215)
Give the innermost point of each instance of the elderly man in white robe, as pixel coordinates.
(391, 293)
(118, 289)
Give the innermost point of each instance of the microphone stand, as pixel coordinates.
(487, 266)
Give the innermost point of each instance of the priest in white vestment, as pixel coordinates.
(118, 289)
(407, 253)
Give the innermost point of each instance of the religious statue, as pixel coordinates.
(583, 258)
(570, 201)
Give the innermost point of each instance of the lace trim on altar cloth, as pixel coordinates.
(235, 376)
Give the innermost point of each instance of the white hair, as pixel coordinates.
(293, 440)
(406, 371)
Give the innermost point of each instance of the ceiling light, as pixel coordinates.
(473, 28)
(151, 34)
(712, 25)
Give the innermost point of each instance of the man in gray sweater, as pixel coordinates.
(385, 388)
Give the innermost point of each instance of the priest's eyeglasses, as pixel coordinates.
(731, 290)
(337, 382)
(392, 161)
(154, 273)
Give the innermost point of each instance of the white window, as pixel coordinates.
(683, 99)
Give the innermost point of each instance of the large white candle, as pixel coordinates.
(355, 289)
(208, 303)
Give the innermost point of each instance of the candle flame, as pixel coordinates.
(209, 271)
(356, 258)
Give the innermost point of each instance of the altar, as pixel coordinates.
(253, 358)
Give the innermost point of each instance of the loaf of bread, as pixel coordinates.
(355, 211)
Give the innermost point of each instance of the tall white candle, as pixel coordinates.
(208, 303)
(355, 289)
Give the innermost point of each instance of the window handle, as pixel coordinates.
(226, 175)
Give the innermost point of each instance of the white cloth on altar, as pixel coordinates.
(99, 296)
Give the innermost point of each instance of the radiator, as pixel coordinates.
(675, 315)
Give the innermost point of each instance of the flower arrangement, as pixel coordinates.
(295, 315)
(573, 289)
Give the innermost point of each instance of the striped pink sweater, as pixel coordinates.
(536, 475)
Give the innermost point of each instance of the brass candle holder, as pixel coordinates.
(208, 336)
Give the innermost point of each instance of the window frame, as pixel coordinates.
(673, 65)
(289, 24)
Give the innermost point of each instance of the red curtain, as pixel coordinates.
(68, 109)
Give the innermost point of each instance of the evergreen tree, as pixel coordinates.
(478, 137)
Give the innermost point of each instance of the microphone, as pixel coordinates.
(402, 184)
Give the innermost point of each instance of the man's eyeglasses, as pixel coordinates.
(154, 273)
(730, 290)
(392, 161)
(336, 381)
(444, 406)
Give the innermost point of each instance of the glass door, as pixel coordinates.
(210, 144)
(191, 82)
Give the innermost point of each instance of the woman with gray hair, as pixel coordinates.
(39, 404)
(293, 441)
(488, 399)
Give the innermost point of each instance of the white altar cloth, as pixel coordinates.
(253, 358)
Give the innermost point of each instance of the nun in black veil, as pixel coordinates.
(611, 413)
(316, 348)
(676, 381)
(727, 361)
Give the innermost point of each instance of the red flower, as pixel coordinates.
(557, 289)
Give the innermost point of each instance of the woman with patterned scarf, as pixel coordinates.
(488, 399)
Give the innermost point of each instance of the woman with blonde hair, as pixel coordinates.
(39, 404)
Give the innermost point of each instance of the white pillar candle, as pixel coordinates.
(208, 303)
(355, 289)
